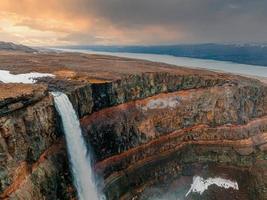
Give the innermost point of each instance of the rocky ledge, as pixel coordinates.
(149, 125)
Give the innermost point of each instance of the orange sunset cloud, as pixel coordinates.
(70, 22)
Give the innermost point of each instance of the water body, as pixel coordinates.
(77, 150)
(7, 77)
(214, 65)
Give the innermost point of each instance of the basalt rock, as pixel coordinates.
(79, 93)
(147, 84)
(28, 128)
(148, 141)
(114, 130)
(48, 178)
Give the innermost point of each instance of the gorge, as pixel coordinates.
(151, 128)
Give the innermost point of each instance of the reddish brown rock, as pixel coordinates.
(28, 127)
(117, 129)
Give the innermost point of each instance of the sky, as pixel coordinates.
(132, 22)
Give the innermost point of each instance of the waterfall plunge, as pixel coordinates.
(80, 160)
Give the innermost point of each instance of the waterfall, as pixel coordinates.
(79, 157)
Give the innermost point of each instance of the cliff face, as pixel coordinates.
(29, 129)
(147, 141)
(129, 125)
(151, 129)
(147, 84)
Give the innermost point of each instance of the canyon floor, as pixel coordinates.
(151, 127)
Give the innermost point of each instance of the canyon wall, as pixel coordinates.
(32, 151)
(144, 142)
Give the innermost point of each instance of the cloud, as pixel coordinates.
(204, 20)
(138, 21)
(47, 25)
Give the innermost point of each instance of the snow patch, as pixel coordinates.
(7, 77)
(200, 184)
(161, 103)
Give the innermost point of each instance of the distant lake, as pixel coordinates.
(214, 65)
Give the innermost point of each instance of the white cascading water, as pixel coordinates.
(79, 158)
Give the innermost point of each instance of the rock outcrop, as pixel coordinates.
(29, 129)
(147, 127)
(224, 123)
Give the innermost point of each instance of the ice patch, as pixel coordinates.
(200, 184)
(161, 103)
(7, 77)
